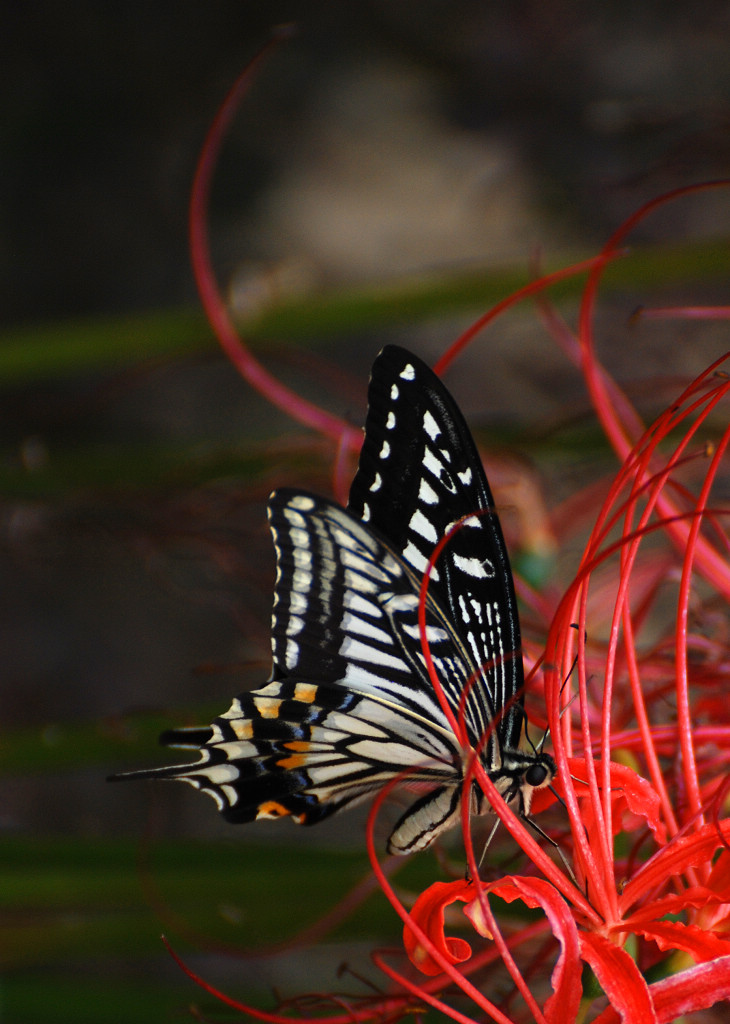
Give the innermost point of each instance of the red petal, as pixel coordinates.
(697, 988)
(679, 855)
(699, 943)
(631, 793)
(719, 880)
(428, 915)
(639, 797)
(563, 1004)
(620, 979)
(696, 897)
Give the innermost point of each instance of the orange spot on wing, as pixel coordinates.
(295, 761)
(299, 758)
(271, 809)
(305, 692)
(243, 728)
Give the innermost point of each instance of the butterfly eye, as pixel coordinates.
(536, 775)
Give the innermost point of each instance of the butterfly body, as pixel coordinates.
(350, 704)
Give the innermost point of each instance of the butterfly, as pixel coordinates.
(349, 704)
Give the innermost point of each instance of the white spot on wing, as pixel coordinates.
(423, 526)
(356, 650)
(400, 603)
(431, 463)
(426, 494)
(234, 711)
(434, 634)
(301, 581)
(294, 626)
(294, 518)
(354, 624)
(270, 690)
(356, 581)
(323, 774)
(301, 502)
(219, 774)
(477, 568)
(391, 753)
(355, 602)
(237, 749)
(353, 724)
(302, 558)
(292, 654)
(418, 560)
(299, 538)
(431, 426)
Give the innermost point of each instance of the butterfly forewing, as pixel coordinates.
(420, 474)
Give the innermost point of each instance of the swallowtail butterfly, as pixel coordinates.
(349, 704)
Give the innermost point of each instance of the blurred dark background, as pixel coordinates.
(570, 111)
(384, 143)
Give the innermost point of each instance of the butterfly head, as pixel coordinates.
(520, 774)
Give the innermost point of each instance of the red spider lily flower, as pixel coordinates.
(650, 856)
(663, 902)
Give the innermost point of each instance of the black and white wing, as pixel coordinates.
(419, 475)
(350, 705)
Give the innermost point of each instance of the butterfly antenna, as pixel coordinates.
(545, 735)
(535, 749)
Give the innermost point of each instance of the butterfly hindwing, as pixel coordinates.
(351, 705)
(309, 750)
